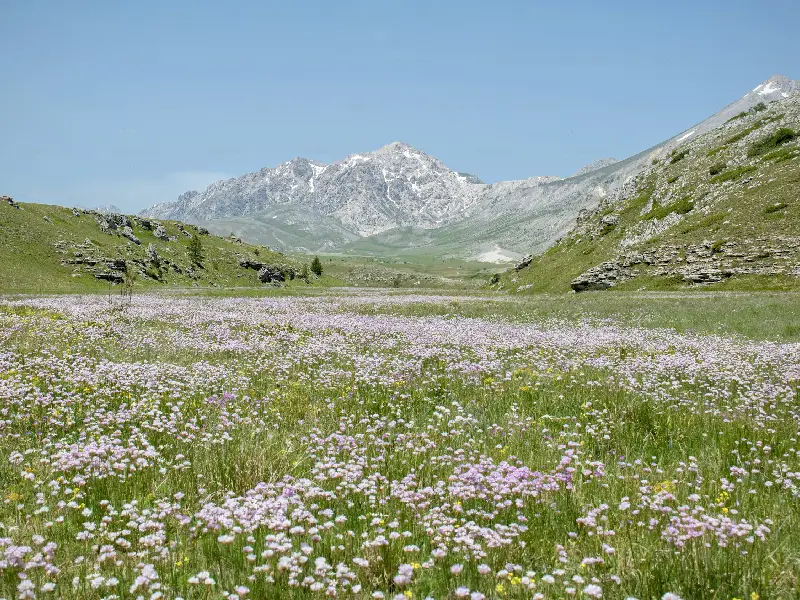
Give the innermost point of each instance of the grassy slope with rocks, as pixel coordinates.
(36, 239)
(727, 201)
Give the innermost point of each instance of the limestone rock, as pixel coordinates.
(160, 233)
(127, 232)
(526, 260)
(271, 274)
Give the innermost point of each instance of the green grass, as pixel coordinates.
(30, 261)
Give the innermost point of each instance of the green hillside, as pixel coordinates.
(45, 248)
(721, 210)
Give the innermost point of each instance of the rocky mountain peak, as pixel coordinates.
(775, 88)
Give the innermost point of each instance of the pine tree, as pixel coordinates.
(196, 250)
(316, 266)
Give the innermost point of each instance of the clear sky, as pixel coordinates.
(132, 103)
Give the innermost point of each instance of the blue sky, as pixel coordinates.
(132, 103)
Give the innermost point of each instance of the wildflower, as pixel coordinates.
(592, 590)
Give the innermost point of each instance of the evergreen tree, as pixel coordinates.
(316, 266)
(196, 250)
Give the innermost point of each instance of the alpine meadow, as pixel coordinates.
(379, 374)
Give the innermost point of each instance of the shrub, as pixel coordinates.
(305, 273)
(715, 151)
(755, 109)
(782, 154)
(316, 266)
(773, 208)
(732, 174)
(495, 279)
(717, 168)
(673, 179)
(681, 207)
(778, 138)
(676, 156)
(153, 272)
(716, 247)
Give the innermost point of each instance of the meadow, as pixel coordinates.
(368, 444)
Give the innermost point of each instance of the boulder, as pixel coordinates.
(10, 201)
(271, 274)
(609, 220)
(526, 260)
(160, 233)
(144, 223)
(152, 254)
(127, 232)
(247, 263)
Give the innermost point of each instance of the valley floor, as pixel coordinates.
(380, 444)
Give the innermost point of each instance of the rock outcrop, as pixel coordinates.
(700, 263)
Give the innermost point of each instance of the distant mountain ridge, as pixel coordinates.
(398, 199)
(395, 186)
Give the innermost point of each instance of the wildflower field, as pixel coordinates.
(370, 445)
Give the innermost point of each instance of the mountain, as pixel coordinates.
(400, 202)
(395, 186)
(594, 166)
(719, 209)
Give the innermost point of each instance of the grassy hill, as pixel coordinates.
(45, 248)
(721, 210)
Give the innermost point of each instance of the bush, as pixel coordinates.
(780, 137)
(717, 168)
(716, 247)
(757, 108)
(676, 156)
(305, 273)
(316, 266)
(153, 272)
(782, 154)
(681, 207)
(732, 174)
(773, 208)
